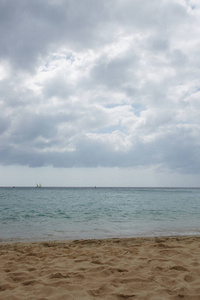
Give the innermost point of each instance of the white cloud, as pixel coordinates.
(113, 84)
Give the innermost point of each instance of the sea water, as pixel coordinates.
(85, 213)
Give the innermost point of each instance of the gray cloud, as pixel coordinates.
(30, 30)
(108, 83)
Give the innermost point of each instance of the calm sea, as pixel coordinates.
(84, 213)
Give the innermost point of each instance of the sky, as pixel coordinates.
(103, 93)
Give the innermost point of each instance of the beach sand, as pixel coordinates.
(127, 268)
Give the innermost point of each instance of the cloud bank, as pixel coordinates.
(100, 83)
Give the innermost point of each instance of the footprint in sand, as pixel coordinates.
(188, 278)
(178, 268)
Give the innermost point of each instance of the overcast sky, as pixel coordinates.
(103, 92)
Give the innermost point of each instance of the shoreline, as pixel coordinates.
(139, 236)
(164, 267)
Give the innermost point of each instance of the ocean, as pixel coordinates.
(34, 214)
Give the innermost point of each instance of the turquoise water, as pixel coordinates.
(83, 213)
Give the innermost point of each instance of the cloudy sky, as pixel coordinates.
(103, 92)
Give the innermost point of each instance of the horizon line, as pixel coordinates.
(156, 187)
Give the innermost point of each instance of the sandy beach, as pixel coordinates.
(127, 268)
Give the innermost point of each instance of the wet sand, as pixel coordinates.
(133, 268)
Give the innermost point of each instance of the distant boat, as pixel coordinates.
(38, 185)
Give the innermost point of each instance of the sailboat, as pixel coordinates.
(38, 185)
